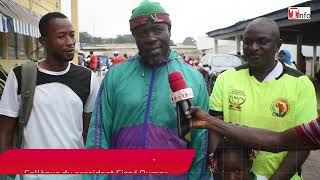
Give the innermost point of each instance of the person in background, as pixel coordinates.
(303, 64)
(284, 56)
(116, 58)
(93, 61)
(81, 59)
(190, 61)
(125, 55)
(99, 64)
(233, 161)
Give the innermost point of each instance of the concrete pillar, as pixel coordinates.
(216, 46)
(74, 20)
(31, 48)
(314, 60)
(5, 46)
(74, 17)
(30, 4)
(4, 61)
(238, 39)
(299, 50)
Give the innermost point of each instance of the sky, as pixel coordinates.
(190, 18)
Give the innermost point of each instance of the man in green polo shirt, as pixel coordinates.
(264, 93)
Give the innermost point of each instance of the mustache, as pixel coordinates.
(71, 50)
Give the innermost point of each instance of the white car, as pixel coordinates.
(215, 64)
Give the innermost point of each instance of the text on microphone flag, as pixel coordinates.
(182, 94)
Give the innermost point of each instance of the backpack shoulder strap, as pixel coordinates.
(28, 85)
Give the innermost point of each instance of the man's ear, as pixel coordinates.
(279, 43)
(43, 41)
(132, 32)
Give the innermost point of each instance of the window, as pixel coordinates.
(1, 45)
(34, 52)
(22, 46)
(12, 45)
(40, 50)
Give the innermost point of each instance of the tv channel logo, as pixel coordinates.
(299, 13)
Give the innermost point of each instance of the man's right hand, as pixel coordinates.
(200, 118)
(7, 125)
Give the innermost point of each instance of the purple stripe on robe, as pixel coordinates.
(158, 137)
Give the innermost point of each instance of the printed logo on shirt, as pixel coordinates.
(280, 107)
(236, 99)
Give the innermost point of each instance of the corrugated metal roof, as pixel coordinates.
(279, 15)
(23, 20)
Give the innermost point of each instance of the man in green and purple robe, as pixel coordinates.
(134, 109)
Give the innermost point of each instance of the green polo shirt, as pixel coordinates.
(277, 105)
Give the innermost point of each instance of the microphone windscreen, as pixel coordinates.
(176, 81)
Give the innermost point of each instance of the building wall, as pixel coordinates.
(39, 6)
(131, 50)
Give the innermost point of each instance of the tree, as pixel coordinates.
(120, 39)
(126, 38)
(189, 41)
(85, 37)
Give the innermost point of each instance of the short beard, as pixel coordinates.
(61, 58)
(153, 61)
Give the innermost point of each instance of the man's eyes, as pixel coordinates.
(155, 31)
(263, 41)
(247, 42)
(259, 41)
(61, 36)
(158, 30)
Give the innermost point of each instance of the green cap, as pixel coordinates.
(146, 8)
(147, 11)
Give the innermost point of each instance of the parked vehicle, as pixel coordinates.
(103, 60)
(215, 64)
(104, 63)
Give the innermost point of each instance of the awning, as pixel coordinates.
(19, 19)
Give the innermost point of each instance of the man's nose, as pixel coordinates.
(150, 36)
(70, 41)
(255, 46)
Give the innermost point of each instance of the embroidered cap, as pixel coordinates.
(148, 12)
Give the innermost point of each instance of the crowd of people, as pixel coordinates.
(98, 63)
(255, 110)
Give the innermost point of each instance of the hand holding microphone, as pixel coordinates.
(182, 97)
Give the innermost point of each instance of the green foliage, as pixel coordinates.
(120, 39)
(85, 37)
(189, 41)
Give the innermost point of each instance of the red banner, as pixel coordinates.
(96, 161)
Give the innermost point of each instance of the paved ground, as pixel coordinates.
(311, 168)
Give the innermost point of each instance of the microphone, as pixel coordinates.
(182, 97)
